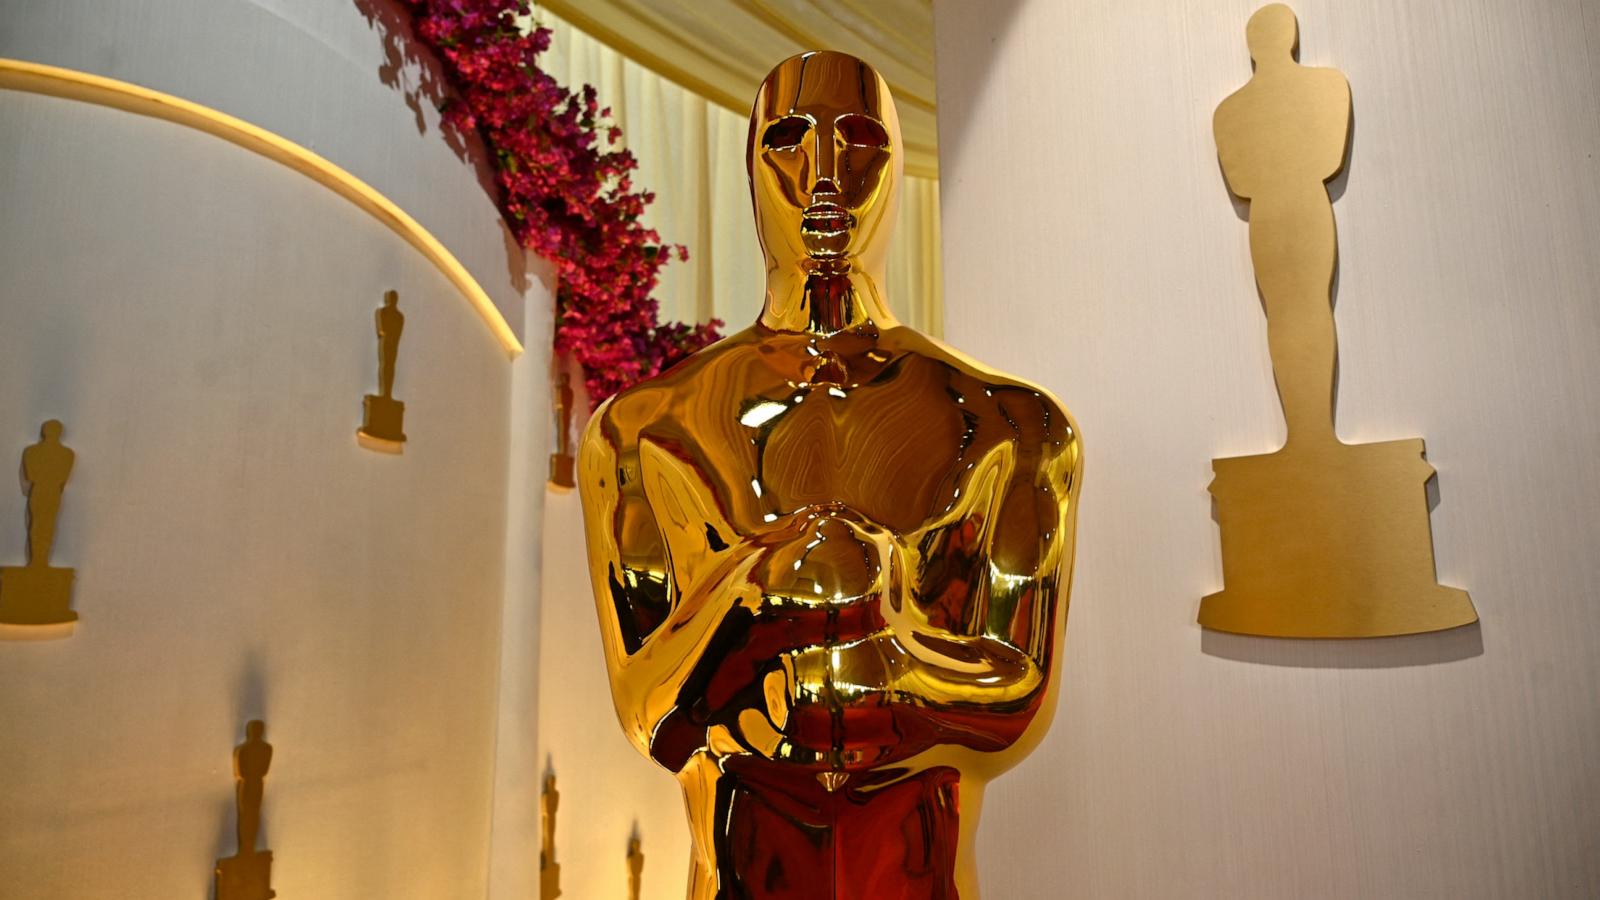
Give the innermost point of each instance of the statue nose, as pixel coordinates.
(826, 176)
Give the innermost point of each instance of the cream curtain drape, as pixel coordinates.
(691, 155)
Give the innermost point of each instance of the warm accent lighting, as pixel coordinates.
(69, 84)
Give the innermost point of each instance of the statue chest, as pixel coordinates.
(897, 459)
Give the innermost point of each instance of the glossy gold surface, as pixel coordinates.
(1322, 538)
(830, 554)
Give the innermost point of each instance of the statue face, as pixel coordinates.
(824, 160)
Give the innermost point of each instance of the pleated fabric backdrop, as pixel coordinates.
(691, 153)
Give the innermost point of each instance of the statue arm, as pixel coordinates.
(1229, 155)
(1048, 518)
(1017, 527)
(601, 496)
(645, 680)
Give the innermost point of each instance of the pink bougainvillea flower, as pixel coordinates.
(564, 190)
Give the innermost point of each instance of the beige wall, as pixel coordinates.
(201, 320)
(607, 787)
(1091, 245)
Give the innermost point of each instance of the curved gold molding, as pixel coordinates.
(70, 84)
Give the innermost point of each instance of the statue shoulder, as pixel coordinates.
(1228, 125)
(1033, 408)
(1330, 79)
(618, 422)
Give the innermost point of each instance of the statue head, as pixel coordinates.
(390, 298)
(51, 430)
(1272, 33)
(255, 729)
(824, 161)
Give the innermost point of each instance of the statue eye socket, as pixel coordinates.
(862, 131)
(787, 132)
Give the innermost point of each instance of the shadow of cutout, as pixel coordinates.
(1400, 652)
(412, 71)
(251, 694)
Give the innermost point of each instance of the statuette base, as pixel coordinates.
(562, 466)
(36, 595)
(550, 881)
(1329, 540)
(245, 877)
(382, 425)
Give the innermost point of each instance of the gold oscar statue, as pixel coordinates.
(39, 594)
(1321, 539)
(382, 424)
(247, 875)
(635, 866)
(830, 554)
(549, 869)
(562, 462)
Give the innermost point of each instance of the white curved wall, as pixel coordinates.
(201, 320)
(337, 77)
(1091, 245)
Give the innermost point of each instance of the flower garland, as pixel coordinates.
(567, 195)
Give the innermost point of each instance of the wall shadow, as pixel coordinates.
(412, 70)
(1355, 653)
(250, 693)
(959, 96)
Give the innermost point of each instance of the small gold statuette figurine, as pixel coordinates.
(635, 866)
(830, 554)
(39, 593)
(382, 425)
(1321, 539)
(561, 461)
(549, 869)
(247, 875)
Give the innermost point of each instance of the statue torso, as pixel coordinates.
(887, 428)
(1286, 128)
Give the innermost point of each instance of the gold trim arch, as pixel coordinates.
(70, 84)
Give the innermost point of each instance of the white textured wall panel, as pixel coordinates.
(1090, 244)
(201, 320)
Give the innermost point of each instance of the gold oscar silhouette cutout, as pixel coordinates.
(1321, 539)
(549, 869)
(831, 555)
(382, 425)
(635, 865)
(247, 875)
(561, 461)
(39, 594)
